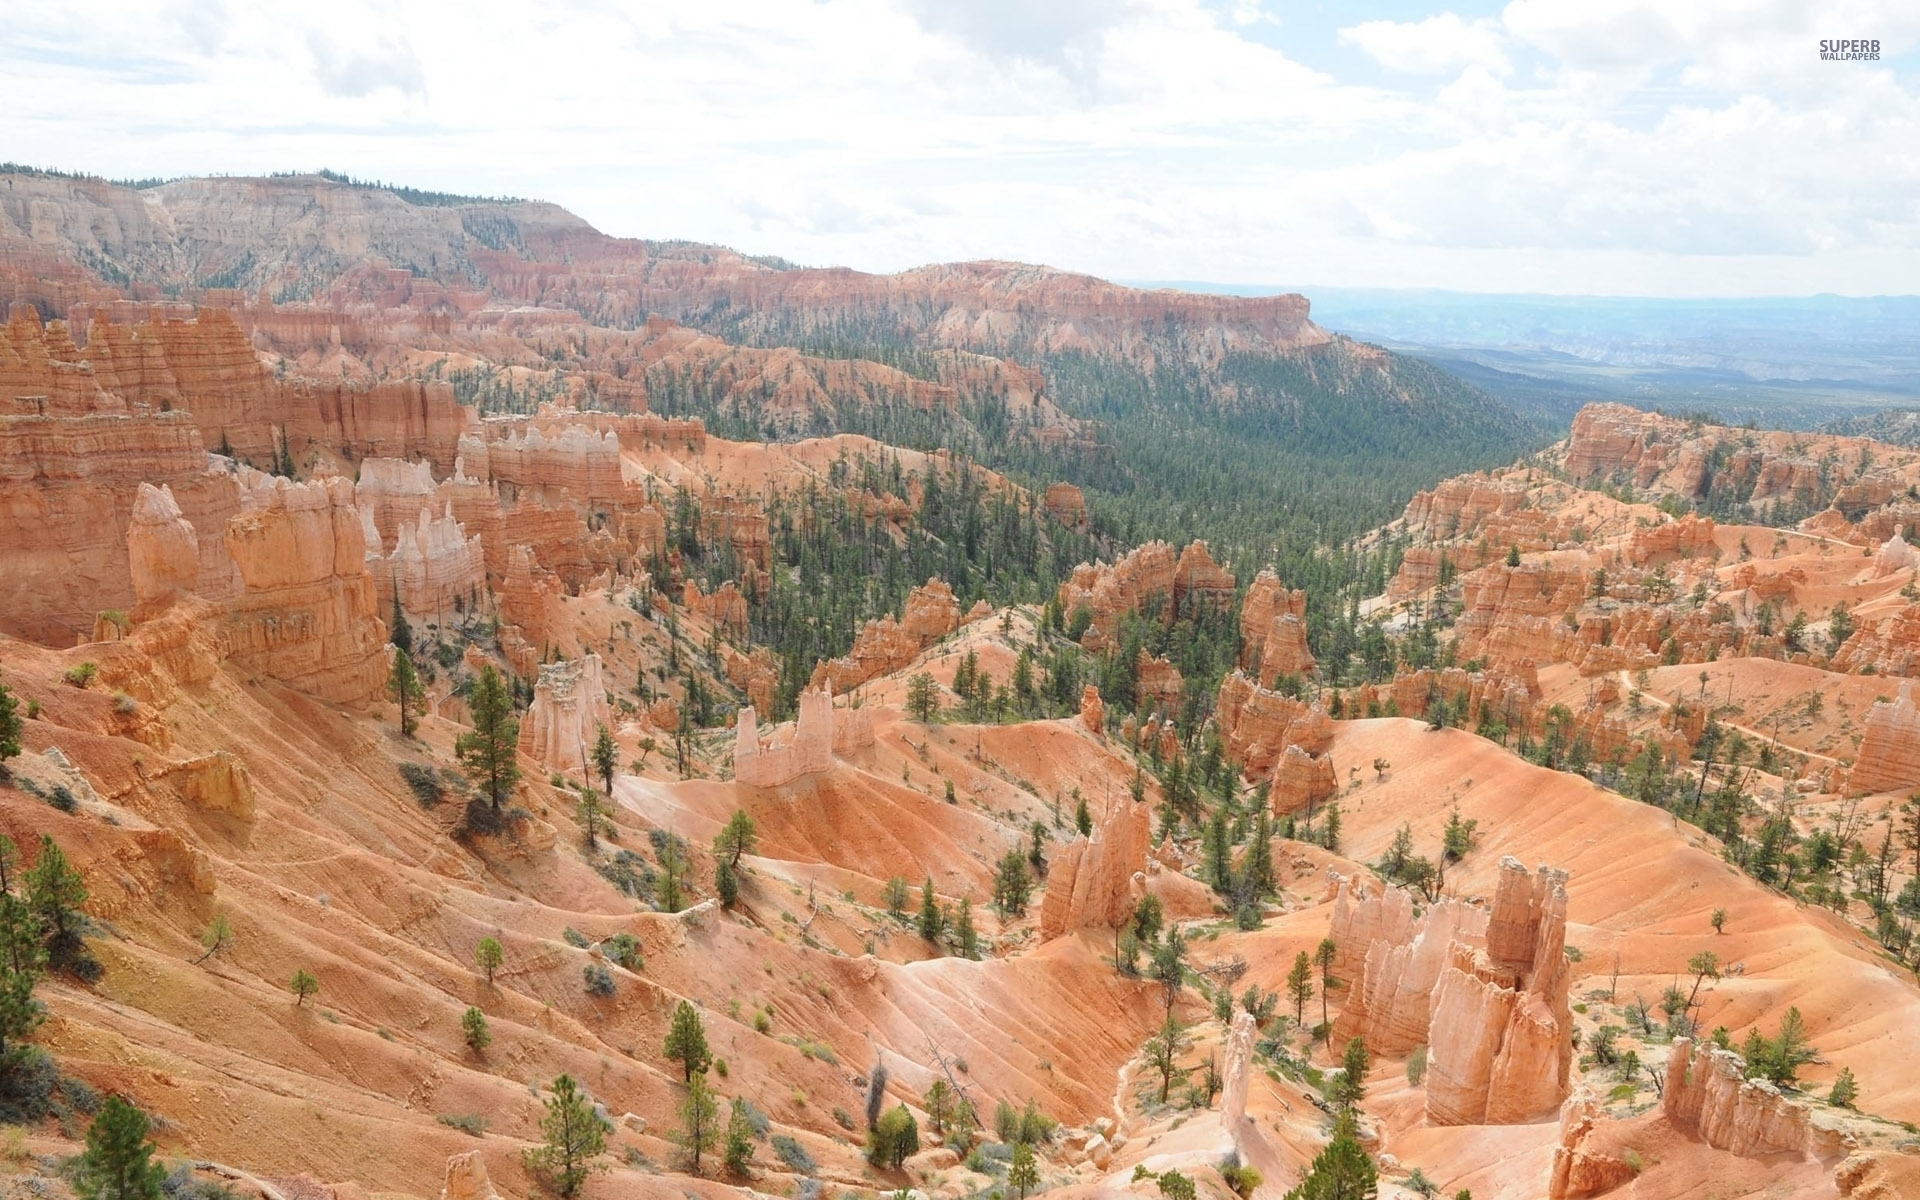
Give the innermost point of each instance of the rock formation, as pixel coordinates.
(1487, 992)
(1300, 781)
(1093, 713)
(1273, 631)
(569, 707)
(1151, 577)
(1580, 1166)
(1092, 881)
(821, 732)
(305, 614)
(1065, 504)
(1258, 725)
(1707, 1093)
(930, 613)
(435, 568)
(163, 551)
(467, 1178)
(1236, 1073)
(1500, 1052)
(1889, 755)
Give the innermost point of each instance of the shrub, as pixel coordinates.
(842, 1118)
(124, 704)
(624, 948)
(62, 798)
(1417, 1065)
(180, 1184)
(573, 937)
(471, 1123)
(599, 980)
(793, 1154)
(424, 782)
(893, 1139)
(82, 675)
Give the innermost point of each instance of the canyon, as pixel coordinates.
(998, 762)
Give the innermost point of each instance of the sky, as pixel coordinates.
(1618, 147)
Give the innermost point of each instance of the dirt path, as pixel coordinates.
(1626, 682)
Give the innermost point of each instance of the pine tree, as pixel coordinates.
(1012, 885)
(1845, 1090)
(23, 959)
(1082, 818)
(738, 1151)
(687, 1041)
(736, 838)
(9, 728)
(669, 886)
(490, 749)
(403, 684)
(574, 1135)
(488, 956)
(923, 697)
(401, 633)
(303, 985)
(474, 1031)
(1300, 986)
(931, 920)
(1169, 966)
(1341, 1171)
(118, 1162)
(605, 759)
(1219, 850)
(1324, 954)
(726, 885)
(1354, 1063)
(589, 811)
(1023, 1174)
(966, 938)
(699, 1120)
(893, 1139)
(54, 892)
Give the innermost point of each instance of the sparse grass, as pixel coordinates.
(424, 782)
(472, 1123)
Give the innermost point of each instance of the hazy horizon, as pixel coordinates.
(1637, 148)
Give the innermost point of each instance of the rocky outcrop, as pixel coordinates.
(1300, 781)
(1237, 1072)
(1500, 1052)
(584, 464)
(1708, 1094)
(1093, 713)
(1581, 1166)
(1094, 881)
(821, 732)
(1889, 755)
(467, 1178)
(1257, 725)
(1066, 504)
(163, 551)
(1887, 647)
(886, 645)
(1150, 579)
(306, 610)
(434, 568)
(1157, 682)
(1273, 631)
(1493, 987)
(569, 708)
(216, 782)
(1895, 557)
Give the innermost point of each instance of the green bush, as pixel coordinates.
(472, 1123)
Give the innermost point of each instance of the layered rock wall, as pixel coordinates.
(820, 733)
(1707, 1093)
(1889, 755)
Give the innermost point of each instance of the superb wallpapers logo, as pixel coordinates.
(1850, 50)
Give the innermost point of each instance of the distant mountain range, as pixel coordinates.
(1792, 361)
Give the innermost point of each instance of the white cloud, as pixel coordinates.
(1682, 146)
(1436, 46)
